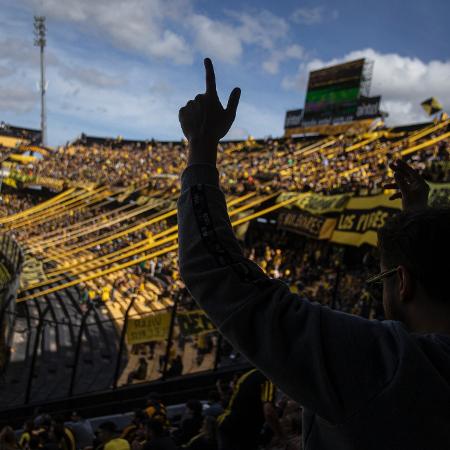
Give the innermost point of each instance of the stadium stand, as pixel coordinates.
(100, 237)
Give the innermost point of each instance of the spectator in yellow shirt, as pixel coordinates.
(27, 434)
(108, 434)
(106, 291)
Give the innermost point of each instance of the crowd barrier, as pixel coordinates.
(92, 355)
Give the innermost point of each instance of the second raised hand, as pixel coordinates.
(410, 186)
(204, 121)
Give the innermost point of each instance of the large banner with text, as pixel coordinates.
(362, 217)
(342, 219)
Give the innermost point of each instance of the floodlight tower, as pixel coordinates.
(40, 41)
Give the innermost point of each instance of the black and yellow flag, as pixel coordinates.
(431, 106)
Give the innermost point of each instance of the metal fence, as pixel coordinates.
(55, 359)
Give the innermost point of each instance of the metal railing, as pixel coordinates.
(56, 359)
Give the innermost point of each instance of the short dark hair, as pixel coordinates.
(420, 241)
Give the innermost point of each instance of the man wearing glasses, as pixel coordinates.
(363, 384)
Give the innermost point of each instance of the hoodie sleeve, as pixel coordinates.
(330, 362)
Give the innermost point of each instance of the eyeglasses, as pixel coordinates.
(378, 279)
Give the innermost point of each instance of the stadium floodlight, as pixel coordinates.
(40, 41)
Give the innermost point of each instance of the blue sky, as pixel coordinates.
(120, 67)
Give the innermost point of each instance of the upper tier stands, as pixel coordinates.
(110, 236)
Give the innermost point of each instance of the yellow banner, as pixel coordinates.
(356, 126)
(35, 148)
(10, 182)
(11, 142)
(147, 329)
(32, 272)
(316, 203)
(363, 216)
(307, 224)
(51, 183)
(25, 159)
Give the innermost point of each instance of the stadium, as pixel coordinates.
(94, 314)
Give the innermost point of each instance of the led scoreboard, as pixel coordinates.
(336, 95)
(333, 91)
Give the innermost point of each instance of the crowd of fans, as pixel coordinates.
(129, 165)
(235, 411)
(317, 270)
(344, 164)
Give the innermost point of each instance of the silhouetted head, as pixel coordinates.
(414, 254)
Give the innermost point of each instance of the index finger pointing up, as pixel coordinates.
(210, 77)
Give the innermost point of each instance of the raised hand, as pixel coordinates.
(204, 121)
(412, 188)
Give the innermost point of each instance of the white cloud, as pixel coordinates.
(168, 29)
(226, 40)
(18, 93)
(272, 64)
(162, 89)
(15, 49)
(299, 80)
(403, 82)
(171, 29)
(17, 99)
(6, 71)
(91, 76)
(314, 16)
(141, 112)
(141, 26)
(269, 32)
(263, 28)
(106, 94)
(216, 39)
(295, 51)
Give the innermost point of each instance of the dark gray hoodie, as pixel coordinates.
(363, 384)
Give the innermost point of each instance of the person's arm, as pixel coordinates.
(330, 362)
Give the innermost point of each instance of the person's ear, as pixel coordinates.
(406, 284)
